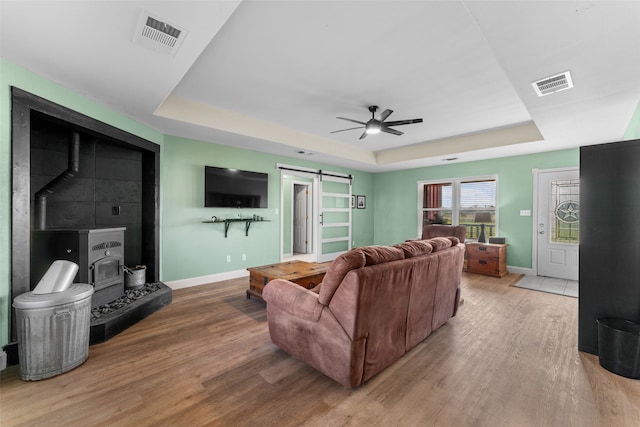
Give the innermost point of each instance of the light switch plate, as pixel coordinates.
(525, 212)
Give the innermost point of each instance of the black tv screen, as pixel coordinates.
(233, 188)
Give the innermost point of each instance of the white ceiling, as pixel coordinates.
(273, 76)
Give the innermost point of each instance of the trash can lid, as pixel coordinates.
(76, 292)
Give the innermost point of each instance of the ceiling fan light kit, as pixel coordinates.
(377, 124)
(372, 128)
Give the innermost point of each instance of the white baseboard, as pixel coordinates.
(203, 280)
(520, 270)
(3, 360)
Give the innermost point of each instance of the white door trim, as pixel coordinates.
(313, 212)
(534, 218)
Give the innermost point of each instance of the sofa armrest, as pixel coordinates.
(293, 299)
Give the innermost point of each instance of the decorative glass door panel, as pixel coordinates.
(565, 224)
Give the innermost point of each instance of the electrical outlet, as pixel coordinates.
(244, 257)
(228, 258)
(525, 212)
(115, 210)
(276, 211)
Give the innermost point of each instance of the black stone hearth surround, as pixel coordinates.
(28, 108)
(111, 324)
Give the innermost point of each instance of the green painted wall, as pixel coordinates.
(633, 131)
(396, 197)
(13, 75)
(191, 248)
(363, 219)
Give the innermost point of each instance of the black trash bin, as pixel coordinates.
(619, 346)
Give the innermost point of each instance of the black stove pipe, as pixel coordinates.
(73, 167)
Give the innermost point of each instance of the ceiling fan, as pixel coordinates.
(378, 124)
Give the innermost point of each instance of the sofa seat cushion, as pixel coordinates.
(339, 268)
(377, 254)
(415, 248)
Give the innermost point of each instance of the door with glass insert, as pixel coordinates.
(334, 226)
(558, 224)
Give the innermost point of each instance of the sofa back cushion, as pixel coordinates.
(380, 254)
(343, 264)
(415, 248)
(454, 240)
(371, 304)
(440, 243)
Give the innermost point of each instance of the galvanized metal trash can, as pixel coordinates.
(619, 346)
(52, 324)
(135, 278)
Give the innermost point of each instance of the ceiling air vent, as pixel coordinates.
(556, 83)
(158, 35)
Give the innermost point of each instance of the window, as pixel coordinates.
(467, 201)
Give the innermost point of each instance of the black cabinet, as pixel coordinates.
(609, 237)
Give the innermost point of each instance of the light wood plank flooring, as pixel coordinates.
(509, 358)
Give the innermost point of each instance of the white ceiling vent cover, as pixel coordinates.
(552, 84)
(156, 34)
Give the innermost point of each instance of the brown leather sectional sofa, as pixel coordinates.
(375, 304)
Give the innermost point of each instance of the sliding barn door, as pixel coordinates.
(334, 226)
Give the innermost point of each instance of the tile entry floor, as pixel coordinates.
(550, 284)
(300, 257)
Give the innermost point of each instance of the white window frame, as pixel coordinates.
(455, 196)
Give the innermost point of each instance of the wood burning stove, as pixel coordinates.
(98, 252)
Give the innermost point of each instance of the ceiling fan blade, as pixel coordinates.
(342, 130)
(403, 122)
(364, 135)
(389, 130)
(382, 116)
(351, 120)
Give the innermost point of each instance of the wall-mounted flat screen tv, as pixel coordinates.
(234, 188)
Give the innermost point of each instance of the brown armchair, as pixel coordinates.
(440, 230)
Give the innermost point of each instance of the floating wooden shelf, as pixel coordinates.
(227, 223)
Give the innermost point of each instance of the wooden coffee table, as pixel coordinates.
(305, 274)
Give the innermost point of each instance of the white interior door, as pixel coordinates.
(558, 223)
(334, 219)
(300, 218)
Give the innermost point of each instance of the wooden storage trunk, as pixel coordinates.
(487, 258)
